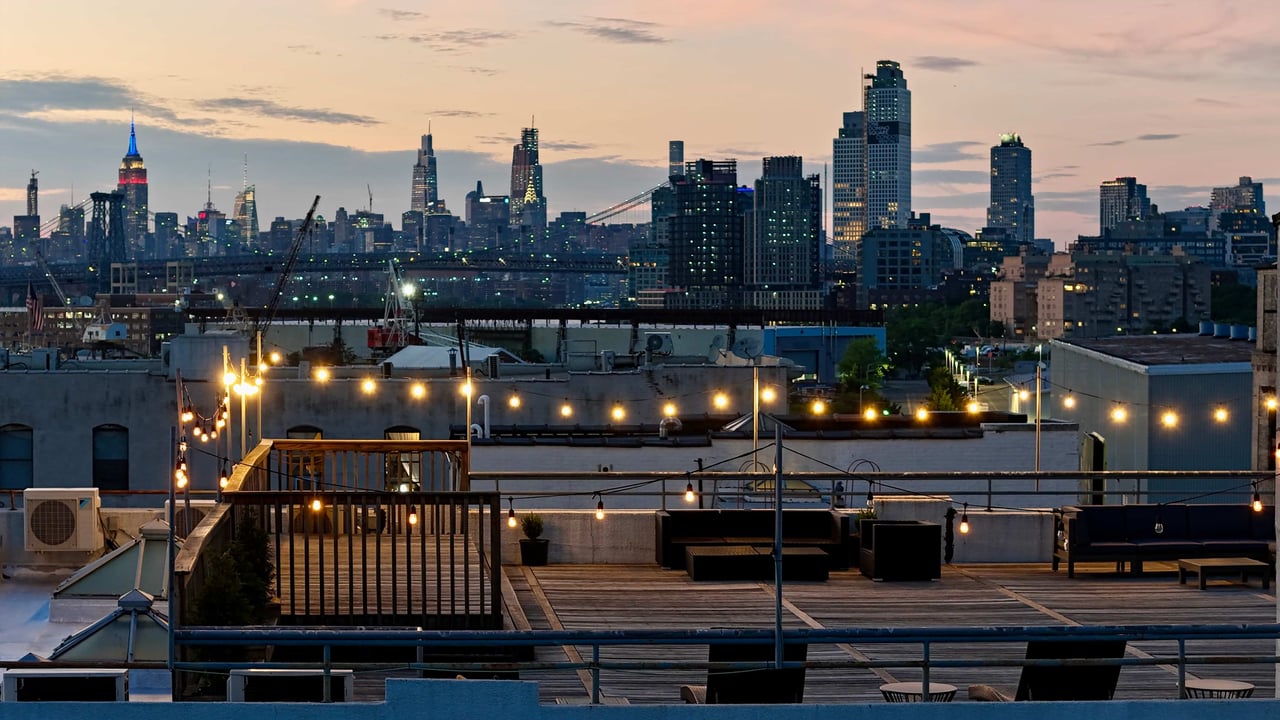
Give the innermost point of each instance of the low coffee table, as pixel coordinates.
(905, 692)
(1224, 566)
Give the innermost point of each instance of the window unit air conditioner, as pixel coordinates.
(288, 685)
(185, 521)
(53, 684)
(659, 343)
(62, 519)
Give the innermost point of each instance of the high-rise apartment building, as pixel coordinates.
(782, 234)
(1244, 197)
(849, 189)
(132, 184)
(425, 181)
(526, 172)
(887, 105)
(1012, 206)
(1121, 199)
(706, 235)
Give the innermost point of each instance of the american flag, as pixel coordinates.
(35, 309)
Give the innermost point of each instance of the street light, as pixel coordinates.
(861, 389)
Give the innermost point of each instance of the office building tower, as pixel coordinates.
(132, 184)
(706, 235)
(849, 189)
(33, 195)
(782, 232)
(167, 235)
(526, 172)
(1012, 204)
(887, 105)
(675, 158)
(1121, 199)
(342, 231)
(245, 214)
(425, 181)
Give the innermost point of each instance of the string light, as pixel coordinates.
(1257, 498)
(1169, 419)
(768, 395)
(871, 495)
(973, 407)
(466, 388)
(316, 505)
(869, 414)
(187, 415)
(566, 410)
(1069, 400)
(1272, 403)
(413, 517)
(511, 513)
(1220, 414)
(418, 390)
(1024, 395)
(964, 520)
(368, 386)
(222, 478)
(922, 414)
(618, 413)
(720, 401)
(669, 410)
(322, 375)
(1119, 414)
(818, 407)
(689, 494)
(513, 402)
(229, 379)
(275, 358)
(600, 508)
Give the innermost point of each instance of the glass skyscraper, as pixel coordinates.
(1012, 204)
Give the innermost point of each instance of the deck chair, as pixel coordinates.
(757, 687)
(1078, 682)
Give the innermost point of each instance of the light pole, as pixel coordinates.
(1039, 368)
(861, 389)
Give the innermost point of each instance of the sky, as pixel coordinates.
(330, 97)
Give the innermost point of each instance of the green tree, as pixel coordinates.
(944, 392)
(1234, 303)
(862, 364)
(251, 549)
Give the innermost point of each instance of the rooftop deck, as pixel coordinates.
(615, 597)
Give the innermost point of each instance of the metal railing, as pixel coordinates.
(928, 639)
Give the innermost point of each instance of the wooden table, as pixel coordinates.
(1224, 566)
(905, 692)
(1210, 688)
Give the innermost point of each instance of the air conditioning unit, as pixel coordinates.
(53, 684)
(288, 685)
(659, 343)
(184, 520)
(62, 519)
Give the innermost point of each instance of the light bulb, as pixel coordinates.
(618, 413)
(972, 407)
(669, 410)
(511, 518)
(219, 423)
(768, 395)
(204, 437)
(1069, 401)
(1119, 414)
(404, 487)
(466, 388)
(322, 375)
(316, 505)
(1272, 403)
(182, 446)
(368, 386)
(720, 401)
(1257, 500)
(413, 518)
(964, 520)
(222, 481)
(1024, 395)
(566, 410)
(1169, 419)
(418, 390)
(275, 358)
(513, 402)
(818, 407)
(600, 510)
(1159, 528)
(922, 414)
(182, 480)
(1220, 414)
(689, 495)
(229, 379)
(869, 414)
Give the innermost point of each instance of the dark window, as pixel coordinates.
(303, 432)
(111, 457)
(15, 457)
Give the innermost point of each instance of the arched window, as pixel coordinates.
(15, 457)
(111, 457)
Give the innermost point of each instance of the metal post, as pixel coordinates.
(595, 674)
(755, 416)
(261, 362)
(1038, 383)
(777, 545)
(244, 442)
(924, 674)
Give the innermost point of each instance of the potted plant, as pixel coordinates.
(533, 547)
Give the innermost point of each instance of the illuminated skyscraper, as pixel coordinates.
(675, 158)
(849, 189)
(245, 214)
(133, 186)
(526, 172)
(887, 105)
(1012, 204)
(425, 181)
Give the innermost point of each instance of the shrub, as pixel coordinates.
(532, 526)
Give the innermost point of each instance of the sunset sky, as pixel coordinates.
(328, 96)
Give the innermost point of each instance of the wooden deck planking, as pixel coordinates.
(620, 597)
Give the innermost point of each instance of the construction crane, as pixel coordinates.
(263, 322)
(399, 317)
(62, 297)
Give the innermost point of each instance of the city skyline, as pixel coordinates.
(1164, 95)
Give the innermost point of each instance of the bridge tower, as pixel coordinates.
(106, 241)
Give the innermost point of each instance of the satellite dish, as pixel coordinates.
(747, 347)
(713, 350)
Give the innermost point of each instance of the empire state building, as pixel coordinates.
(133, 186)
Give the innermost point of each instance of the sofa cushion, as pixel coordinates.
(1221, 522)
(1229, 548)
(1171, 549)
(1111, 548)
(1099, 523)
(1264, 524)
